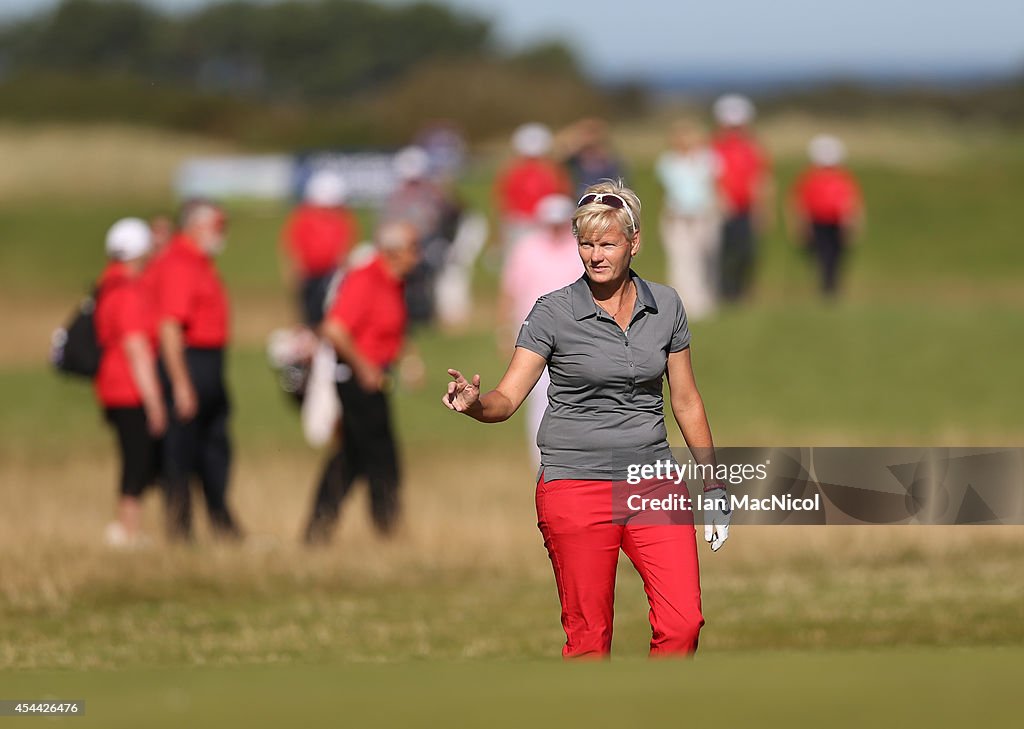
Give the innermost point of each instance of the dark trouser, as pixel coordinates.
(311, 298)
(419, 293)
(202, 447)
(827, 243)
(139, 450)
(737, 257)
(367, 449)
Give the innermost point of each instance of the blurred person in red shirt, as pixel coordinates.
(529, 178)
(746, 193)
(192, 306)
(126, 384)
(826, 208)
(366, 324)
(316, 240)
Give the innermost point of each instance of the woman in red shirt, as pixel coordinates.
(827, 208)
(316, 240)
(126, 383)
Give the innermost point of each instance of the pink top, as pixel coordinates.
(538, 265)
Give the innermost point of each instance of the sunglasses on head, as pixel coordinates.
(611, 200)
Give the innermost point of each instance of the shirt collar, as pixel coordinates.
(184, 244)
(115, 272)
(583, 304)
(381, 269)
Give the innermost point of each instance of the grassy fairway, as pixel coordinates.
(803, 623)
(924, 688)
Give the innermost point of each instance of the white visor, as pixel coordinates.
(128, 239)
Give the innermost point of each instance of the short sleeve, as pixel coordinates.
(133, 312)
(537, 333)
(680, 330)
(353, 304)
(175, 291)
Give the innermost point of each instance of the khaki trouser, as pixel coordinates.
(691, 252)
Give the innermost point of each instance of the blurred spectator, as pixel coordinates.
(452, 288)
(316, 239)
(126, 384)
(690, 220)
(433, 214)
(589, 154)
(445, 148)
(543, 262)
(193, 311)
(745, 183)
(529, 178)
(827, 208)
(366, 326)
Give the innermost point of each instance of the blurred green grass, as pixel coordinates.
(906, 688)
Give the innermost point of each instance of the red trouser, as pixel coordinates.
(583, 542)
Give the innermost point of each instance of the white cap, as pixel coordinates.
(532, 140)
(326, 189)
(826, 150)
(411, 163)
(733, 110)
(128, 239)
(555, 210)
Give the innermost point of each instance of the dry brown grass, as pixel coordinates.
(51, 541)
(466, 577)
(91, 162)
(476, 516)
(910, 142)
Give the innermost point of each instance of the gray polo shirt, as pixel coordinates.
(605, 404)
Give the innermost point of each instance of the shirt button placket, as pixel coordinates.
(629, 360)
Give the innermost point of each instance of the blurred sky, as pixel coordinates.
(627, 37)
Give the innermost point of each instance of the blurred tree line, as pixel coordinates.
(299, 72)
(994, 101)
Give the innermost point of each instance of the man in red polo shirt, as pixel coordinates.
(193, 311)
(745, 191)
(316, 240)
(366, 324)
(826, 206)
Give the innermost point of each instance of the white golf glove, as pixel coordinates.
(716, 520)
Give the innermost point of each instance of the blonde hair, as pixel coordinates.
(594, 218)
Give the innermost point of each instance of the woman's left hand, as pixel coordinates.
(716, 517)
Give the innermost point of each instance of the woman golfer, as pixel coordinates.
(607, 340)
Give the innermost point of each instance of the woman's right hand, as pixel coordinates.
(462, 394)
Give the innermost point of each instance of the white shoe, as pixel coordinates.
(116, 536)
